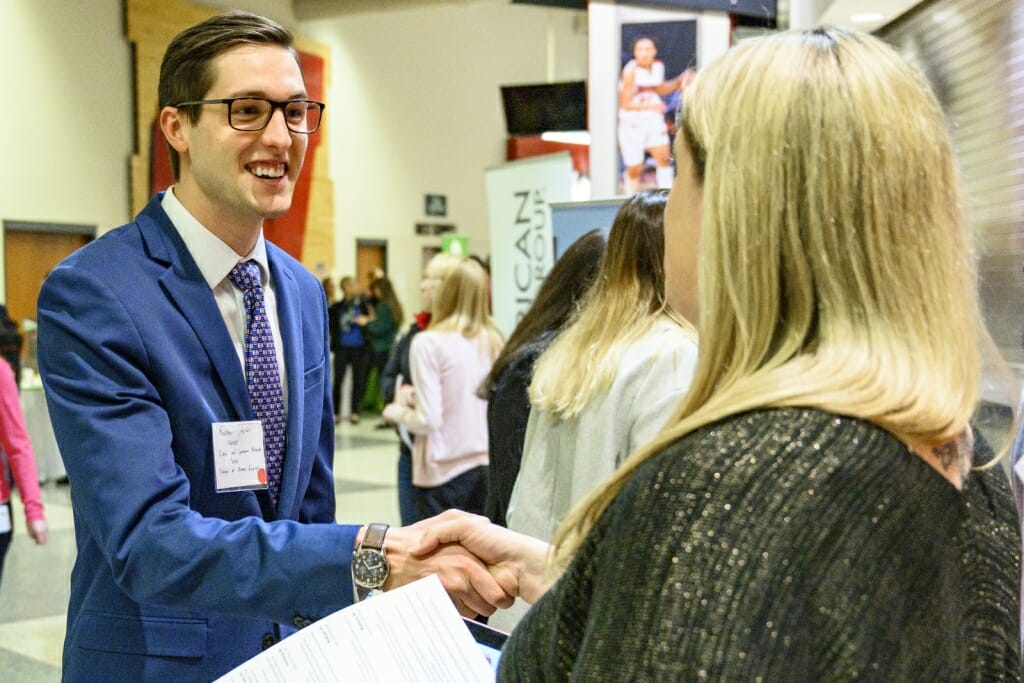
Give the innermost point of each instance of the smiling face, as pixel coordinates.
(230, 179)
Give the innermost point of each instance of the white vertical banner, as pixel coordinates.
(519, 197)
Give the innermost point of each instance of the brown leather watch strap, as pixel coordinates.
(374, 536)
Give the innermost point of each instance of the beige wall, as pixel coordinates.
(414, 108)
(66, 123)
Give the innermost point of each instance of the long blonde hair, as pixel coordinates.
(836, 265)
(438, 268)
(461, 305)
(627, 296)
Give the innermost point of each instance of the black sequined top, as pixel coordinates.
(786, 545)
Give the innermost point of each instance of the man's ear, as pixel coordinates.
(174, 126)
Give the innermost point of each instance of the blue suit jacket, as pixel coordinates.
(173, 580)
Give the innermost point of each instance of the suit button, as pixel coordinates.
(268, 640)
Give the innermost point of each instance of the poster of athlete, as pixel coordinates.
(657, 64)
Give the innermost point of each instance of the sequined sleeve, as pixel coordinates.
(785, 545)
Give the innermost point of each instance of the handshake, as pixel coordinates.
(483, 566)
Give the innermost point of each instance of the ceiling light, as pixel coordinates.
(867, 17)
(572, 137)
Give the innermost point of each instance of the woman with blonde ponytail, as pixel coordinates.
(449, 360)
(818, 508)
(610, 379)
(607, 383)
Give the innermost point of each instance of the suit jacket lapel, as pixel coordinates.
(289, 316)
(185, 285)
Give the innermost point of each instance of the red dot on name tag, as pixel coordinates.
(262, 476)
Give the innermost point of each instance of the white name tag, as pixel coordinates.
(238, 456)
(5, 519)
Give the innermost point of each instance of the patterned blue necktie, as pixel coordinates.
(262, 378)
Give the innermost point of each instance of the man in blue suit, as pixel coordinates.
(185, 327)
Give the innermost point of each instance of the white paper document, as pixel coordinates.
(412, 633)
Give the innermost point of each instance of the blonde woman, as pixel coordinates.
(396, 383)
(607, 383)
(449, 360)
(815, 510)
(609, 380)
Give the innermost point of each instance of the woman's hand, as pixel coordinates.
(518, 562)
(39, 531)
(406, 396)
(472, 588)
(393, 413)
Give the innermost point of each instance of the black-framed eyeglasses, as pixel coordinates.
(251, 114)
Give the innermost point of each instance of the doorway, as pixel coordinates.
(31, 251)
(370, 256)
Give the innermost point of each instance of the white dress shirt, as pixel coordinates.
(215, 260)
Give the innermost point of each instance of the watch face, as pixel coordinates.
(369, 568)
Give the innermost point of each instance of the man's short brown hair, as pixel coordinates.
(186, 74)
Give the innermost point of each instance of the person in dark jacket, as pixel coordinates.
(348, 342)
(506, 387)
(383, 324)
(10, 343)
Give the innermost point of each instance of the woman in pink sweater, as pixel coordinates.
(17, 455)
(449, 361)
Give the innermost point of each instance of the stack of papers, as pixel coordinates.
(412, 633)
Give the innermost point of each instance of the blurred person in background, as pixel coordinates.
(397, 386)
(330, 291)
(608, 382)
(449, 361)
(382, 325)
(639, 355)
(348, 342)
(11, 343)
(506, 387)
(374, 274)
(16, 459)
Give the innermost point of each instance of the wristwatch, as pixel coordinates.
(369, 564)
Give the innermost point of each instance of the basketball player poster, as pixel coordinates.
(657, 64)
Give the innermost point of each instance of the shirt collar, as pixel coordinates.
(214, 258)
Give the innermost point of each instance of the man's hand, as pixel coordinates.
(471, 587)
(518, 562)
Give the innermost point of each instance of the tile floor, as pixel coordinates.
(34, 591)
